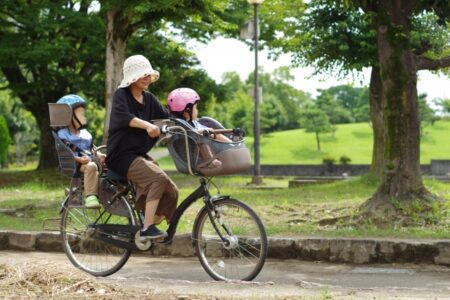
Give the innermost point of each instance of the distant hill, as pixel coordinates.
(352, 140)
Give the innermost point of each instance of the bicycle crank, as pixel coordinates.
(142, 244)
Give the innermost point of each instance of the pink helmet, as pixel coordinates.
(180, 98)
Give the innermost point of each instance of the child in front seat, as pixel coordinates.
(79, 141)
(182, 103)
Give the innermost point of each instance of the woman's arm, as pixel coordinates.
(152, 130)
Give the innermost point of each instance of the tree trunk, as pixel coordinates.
(377, 117)
(36, 102)
(47, 150)
(401, 178)
(318, 141)
(117, 33)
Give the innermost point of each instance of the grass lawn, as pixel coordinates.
(285, 212)
(352, 140)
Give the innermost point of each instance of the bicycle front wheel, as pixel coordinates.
(242, 252)
(81, 239)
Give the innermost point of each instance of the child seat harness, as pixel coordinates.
(75, 148)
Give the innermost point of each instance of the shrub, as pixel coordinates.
(328, 160)
(344, 160)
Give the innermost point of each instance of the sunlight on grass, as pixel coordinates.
(352, 140)
(285, 212)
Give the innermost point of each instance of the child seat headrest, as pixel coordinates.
(60, 114)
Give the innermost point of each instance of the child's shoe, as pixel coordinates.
(153, 232)
(92, 202)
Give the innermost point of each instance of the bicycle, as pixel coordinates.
(228, 236)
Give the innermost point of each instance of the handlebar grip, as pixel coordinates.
(164, 129)
(239, 131)
(235, 131)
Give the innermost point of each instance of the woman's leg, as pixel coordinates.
(150, 211)
(152, 184)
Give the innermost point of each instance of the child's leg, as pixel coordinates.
(205, 151)
(90, 172)
(207, 156)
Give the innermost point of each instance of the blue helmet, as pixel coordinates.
(73, 100)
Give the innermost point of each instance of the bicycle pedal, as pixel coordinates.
(142, 244)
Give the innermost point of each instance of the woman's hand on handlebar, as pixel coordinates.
(152, 130)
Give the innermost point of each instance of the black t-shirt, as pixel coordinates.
(125, 143)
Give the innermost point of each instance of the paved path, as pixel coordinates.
(279, 278)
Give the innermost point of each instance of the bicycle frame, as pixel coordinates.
(201, 191)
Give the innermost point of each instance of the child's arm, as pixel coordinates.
(101, 157)
(216, 136)
(82, 160)
(221, 138)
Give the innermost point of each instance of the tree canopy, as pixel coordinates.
(51, 48)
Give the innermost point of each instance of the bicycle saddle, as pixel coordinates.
(115, 178)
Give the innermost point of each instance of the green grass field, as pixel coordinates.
(352, 140)
(300, 209)
(285, 212)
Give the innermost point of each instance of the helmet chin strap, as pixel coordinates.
(82, 126)
(189, 110)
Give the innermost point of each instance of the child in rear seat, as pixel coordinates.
(182, 103)
(80, 141)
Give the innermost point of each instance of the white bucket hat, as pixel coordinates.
(136, 67)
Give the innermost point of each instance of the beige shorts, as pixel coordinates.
(153, 184)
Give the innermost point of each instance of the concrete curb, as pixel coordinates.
(346, 250)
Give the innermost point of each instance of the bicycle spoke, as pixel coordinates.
(242, 255)
(83, 246)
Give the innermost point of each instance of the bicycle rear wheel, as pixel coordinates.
(243, 253)
(81, 239)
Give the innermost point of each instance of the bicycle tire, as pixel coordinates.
(82, 248)
(246, 254)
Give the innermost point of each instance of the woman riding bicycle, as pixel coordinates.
(132, 135)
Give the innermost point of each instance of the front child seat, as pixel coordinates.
(235, 157)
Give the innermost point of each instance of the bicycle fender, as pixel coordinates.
(63, 204)
(219, 197)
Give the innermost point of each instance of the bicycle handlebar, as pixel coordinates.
(237, 131)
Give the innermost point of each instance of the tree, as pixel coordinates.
(351, 99)
(198, 19)
(399, 62)
(362, 112)
(279, 95)
(50, 48)
(21, 126)
(341, 38)
(177, 65)
(427, 115)
(335, 110)
(240, 110)
(315, 120)
(281, 103)
(383, 38)
(5, 140)
(444, 104)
